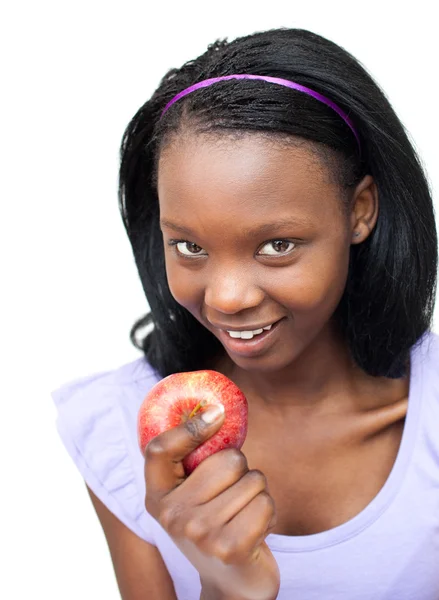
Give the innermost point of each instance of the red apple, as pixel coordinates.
(179, 397)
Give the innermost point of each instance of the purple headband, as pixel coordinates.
(279, 81)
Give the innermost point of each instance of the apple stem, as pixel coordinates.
(197, 408)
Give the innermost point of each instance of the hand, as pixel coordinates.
(218, 516)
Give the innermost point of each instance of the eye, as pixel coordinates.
(186, 248)
(279, 247)
(275, 248)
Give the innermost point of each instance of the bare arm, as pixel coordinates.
(139, 567)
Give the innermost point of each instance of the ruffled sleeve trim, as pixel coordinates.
(90, 424)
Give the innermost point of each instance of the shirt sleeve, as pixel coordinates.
(90, 422)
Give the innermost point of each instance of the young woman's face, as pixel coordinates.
(261, 237)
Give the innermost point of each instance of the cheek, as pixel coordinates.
(314, 284)
(182, 287)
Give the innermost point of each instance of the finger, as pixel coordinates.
(201, 519)
(213, 476)
(247, 530)
(164, 454)
(232, 501)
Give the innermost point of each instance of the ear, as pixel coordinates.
(364, 211)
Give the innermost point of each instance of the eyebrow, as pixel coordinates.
(258, 230)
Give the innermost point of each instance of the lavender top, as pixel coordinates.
(389, 551)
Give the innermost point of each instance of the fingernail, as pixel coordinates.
(213, 413)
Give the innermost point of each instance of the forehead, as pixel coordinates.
(250, 177)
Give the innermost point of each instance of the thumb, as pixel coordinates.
(200, 428)
(164, 454)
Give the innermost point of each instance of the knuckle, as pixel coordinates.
(236, 460)
(155, 448)
(266, 501)
(196, 529)
(225, 551)
(150, 504)
(273, 521)
(195, 429)
(171, 515)
(256, 476)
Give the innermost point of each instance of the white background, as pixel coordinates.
(74, 75)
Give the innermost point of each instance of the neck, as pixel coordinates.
(323, 376)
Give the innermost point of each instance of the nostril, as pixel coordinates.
(229, 300)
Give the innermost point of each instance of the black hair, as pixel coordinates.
(389, 298)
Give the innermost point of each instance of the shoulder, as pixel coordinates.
(424, 386)
(425, 355)
(97, 423)
(101, 396)
(132, 372)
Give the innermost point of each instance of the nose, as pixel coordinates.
(231, 292)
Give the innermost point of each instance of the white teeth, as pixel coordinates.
(247, 335)
(235, 334)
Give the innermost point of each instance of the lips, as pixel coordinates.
(245, 328)
(254, 346)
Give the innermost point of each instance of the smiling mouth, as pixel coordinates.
(250, 333)
(251, 345)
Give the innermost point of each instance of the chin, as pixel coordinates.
(269, 362)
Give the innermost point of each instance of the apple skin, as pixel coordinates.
(172, 400)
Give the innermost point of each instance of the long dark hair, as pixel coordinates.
(389, 297)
